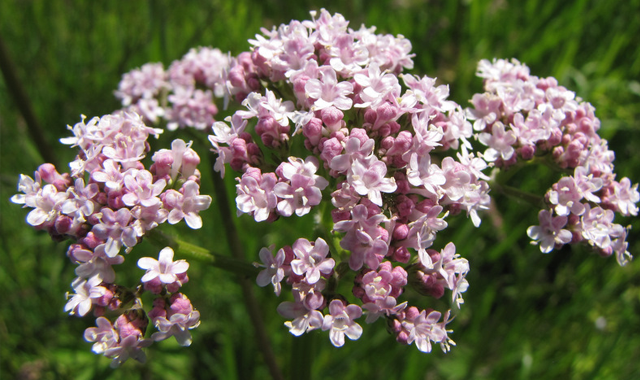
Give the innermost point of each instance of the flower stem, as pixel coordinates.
(533, 199)
(194, 252)
(250, 301)
(17, 91)
(301, 356)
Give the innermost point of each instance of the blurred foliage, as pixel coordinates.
(566, 315)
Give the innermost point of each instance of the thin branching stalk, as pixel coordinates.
(24, 105)
(194, 252)
(264, 344)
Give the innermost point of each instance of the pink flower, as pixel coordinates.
(188, 204)
(310, 295)
(626, 197)
(80, 203)
(566, 197)
(86, 292)
(421, 172)
(94, 262)
(29, 188)
(423, 90)
(116, 230)
(274, 269)
(104, 336)
(304, 320)
(376, 85)
(109, 174)
(426, 329)
(549, 232)
(312, 261)
(328, 92)
(130, 327)
(423, 232)
(368, 178)
(340, 322)
(179, 319)
(142, 189)
(190, 108)
(355, 149)
(164, 268)
(428, 136)
(142, 83)
(347, 56)
(485, 111)
(500, 143)
(256, 194)
(598, 227)
(46, 205)
(304, 189)
(363, 237)
(381, 290)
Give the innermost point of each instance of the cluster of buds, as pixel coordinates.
(521, 117)
(109, 214)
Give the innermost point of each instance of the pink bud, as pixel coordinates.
(105, 299)
(313, 131)
(400, 232)
(411, 313)
(114, 200)
(386, 112)
(158, 309)
(384, 130)
(163, 159)
(403, 337)
(180, 304)
(358, 292)
(190, 161)
(331, 148)
(401, 255)
(253, 82)
(236, 77)
(63, 224)
(394, 126)
(90, 241)
(360, 133)
(404, 205)
(339, 215)
(49, 174)
(370, 116)
(154, 286)
(387, 143)
(527, 152)
(299, 82)
(125, 325)
(557, 152)
(555, 138)
(332, 118)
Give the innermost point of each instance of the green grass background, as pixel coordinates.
(526, 315)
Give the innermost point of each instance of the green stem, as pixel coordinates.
(194, 252)
(301, 354)
(533, 199)
(17, 91)
(251, 303)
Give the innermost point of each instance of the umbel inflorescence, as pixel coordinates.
(327, 123)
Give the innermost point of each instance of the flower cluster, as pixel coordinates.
(521, 117)
(172, 313)
(182, 95)
(110, 213)
(379, 145)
